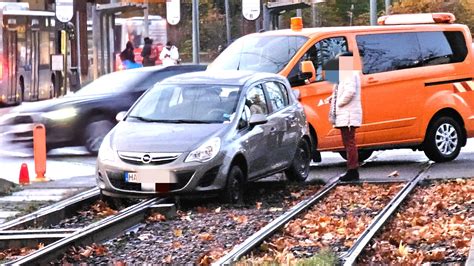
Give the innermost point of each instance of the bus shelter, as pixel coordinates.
(103, 24)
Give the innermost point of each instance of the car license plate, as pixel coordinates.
(131, 177)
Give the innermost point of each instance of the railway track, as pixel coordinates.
(346, 258)
(57, 241)
(16, 234)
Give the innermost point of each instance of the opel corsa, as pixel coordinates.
(206, 132)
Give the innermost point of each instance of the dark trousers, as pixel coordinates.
(348, 138)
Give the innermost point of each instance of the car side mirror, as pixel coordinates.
(120, 116)
(308, 70)
(257, 119)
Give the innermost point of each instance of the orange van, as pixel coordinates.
(416, 76)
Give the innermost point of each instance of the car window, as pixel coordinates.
(173, 103)
(442, 47)
(255, 100)
(277, 95)
(389, 51)
(320, 53)
(259, 53)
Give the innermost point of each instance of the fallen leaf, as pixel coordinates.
(156, 217)
(240, 219)
(402, 250)
(202, 209)
(101, 250)
(40, 245)
(206, 237)
(259, 205)
(168, 259)
(87, 252)
(178, 232)
(394, 174)
(177, 244)
(218, 210)
(274, 209)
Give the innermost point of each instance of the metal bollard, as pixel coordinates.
(39, 152)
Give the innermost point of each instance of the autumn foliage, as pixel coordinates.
(435, 225)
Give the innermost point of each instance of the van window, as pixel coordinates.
(388, 52)
(319, 54)
(442, 47)
(259, 53)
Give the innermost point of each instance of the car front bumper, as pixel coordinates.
(176, 177)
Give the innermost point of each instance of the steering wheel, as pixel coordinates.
(216, 113)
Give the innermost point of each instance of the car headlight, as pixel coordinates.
(61, 114)
(106, 153)
(205, 152)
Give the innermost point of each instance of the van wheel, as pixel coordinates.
(233, 192)
(299, 168)
(443, 140)
(363, 155)
(94, 134)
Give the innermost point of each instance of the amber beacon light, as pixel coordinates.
(296, 23)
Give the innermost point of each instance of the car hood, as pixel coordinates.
(54, 104)
(161, 137)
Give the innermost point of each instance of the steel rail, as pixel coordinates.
(243, 248)
(351, 255)
(93, 233)
(53, 213)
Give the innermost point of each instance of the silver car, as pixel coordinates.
(206, 132)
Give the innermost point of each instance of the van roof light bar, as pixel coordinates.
(422, 18)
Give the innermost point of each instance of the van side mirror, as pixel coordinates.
(120, 116)
(257, 119)
(308, 70)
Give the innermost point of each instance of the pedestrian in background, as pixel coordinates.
(147, 53)
(169, 55)
(127, 57)
(345, 107)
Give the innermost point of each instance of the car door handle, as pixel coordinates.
(372, 80)
(273, 129)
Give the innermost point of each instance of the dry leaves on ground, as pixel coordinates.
(333, 223)
(435, 225)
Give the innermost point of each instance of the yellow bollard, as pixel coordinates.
(39, 152)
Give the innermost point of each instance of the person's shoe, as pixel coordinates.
(350, 175)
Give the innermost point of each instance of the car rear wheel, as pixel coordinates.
(363, 155)
(443, 140)
(94, 134)
(299, 168)
(233, 192)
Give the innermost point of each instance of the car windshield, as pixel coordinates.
(114, 83)
(187, 104)
(259, 53)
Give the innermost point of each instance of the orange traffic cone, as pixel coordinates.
(24, 178)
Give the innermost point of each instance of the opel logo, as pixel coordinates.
(146, 158)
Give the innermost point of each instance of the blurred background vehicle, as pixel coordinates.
(206, 132)
(85, 117)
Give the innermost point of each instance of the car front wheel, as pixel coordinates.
(299, 168)
(233, 192)
(94, 134)
(443, 140)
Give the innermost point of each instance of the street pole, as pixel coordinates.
(299, 13)
(387, 7)
(373, 12)
(66, 90)
(196, 31)
(145, 19)
(227, 21)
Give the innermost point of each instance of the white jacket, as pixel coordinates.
(346, 109)
(170, 56)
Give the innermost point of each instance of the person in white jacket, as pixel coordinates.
(346, 109)
(169, 55)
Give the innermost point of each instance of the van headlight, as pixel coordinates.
(60, 114)
(205, 152)
(106, 153)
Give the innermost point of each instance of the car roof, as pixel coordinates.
(221, 77)
(311, 32)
